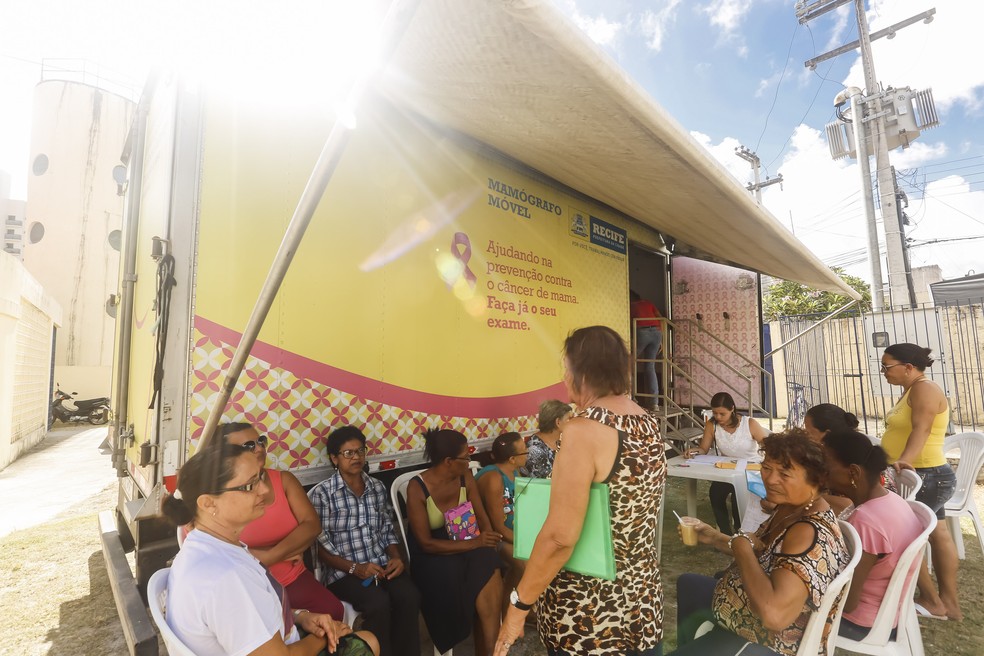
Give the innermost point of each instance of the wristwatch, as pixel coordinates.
(514, 600)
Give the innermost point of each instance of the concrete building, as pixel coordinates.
(28, 318)
(11, 219)
(74, 218)
(922, 278)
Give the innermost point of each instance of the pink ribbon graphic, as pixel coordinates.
(463, 255)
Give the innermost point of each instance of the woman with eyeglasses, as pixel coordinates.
(497, 485)
(220, 599)
(358, 544)
(286, 530)
(458, 579)
(913, 439)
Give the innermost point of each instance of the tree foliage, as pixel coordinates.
(785, 298)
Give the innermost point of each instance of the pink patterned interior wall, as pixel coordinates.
(723, 301)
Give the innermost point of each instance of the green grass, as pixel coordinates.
(55, 597)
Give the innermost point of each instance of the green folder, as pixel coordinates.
(593, 554)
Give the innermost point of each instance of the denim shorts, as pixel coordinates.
(939, 484)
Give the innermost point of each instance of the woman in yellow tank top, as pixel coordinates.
(913, 439)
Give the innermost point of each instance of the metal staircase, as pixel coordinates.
(681, 422)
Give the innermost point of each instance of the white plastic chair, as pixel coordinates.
(908, 483)
(897, 601)
(962, 504)
(157, 599)
(812, 642)
(398, 493)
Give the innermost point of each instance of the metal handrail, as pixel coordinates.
(808, 330)
(766, 375)
(669, 366)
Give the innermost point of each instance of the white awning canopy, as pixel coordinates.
(520, 77)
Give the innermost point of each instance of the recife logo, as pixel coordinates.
(600, 233)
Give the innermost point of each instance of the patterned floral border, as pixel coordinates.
(297, 414)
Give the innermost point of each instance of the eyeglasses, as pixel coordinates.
(465, 458)
(248, 487)
(251, 445)
(352, 454)
(886, 367)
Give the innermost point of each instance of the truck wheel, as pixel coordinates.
(99, 416)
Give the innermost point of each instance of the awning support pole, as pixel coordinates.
(808, 330)
(394, 26)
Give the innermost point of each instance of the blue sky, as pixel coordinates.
(731, 72)
(720, 67)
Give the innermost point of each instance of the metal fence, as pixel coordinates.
(840, 361)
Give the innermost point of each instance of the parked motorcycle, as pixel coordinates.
(95, 411)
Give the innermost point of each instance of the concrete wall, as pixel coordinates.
(922, 278)
(27, 318)
(74, 215)
(11, 220)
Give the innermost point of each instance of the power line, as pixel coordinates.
(812, 102)
(785, 65)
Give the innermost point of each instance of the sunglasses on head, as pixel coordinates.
(251, 445)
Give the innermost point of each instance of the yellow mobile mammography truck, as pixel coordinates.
(505, 184)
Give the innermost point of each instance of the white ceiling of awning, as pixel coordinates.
(518, 76)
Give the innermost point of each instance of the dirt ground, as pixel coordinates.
(55, 597)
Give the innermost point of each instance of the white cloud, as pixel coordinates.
(765, 83)
(918, 154)
(724, 153)
(654, 23)
(599, 29)
(823, 199)
(937, 55)
(727, 16)
(845, 17)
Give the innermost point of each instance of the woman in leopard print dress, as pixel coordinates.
(609, 440)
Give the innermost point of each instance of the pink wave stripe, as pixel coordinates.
(514, 405)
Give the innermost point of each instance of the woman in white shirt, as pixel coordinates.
(220, 599)
(735, 436)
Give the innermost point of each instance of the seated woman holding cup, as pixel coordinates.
(220, 598)
(457, 574)
(763, 601)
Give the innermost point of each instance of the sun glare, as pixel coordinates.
(276, 54)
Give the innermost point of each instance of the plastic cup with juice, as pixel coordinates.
(688, 530)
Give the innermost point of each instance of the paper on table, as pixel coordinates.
(732, 464)
(709, 460)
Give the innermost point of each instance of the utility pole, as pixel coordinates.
(903, 219)
(898, 290)
(756, 163)
(873, 129)
(864, 169)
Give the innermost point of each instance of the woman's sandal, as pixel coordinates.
(922, 612)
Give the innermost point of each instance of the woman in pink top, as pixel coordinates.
(286, 530)
(884, 521)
